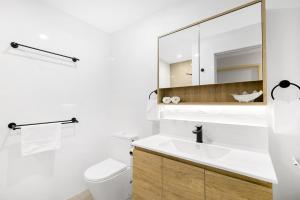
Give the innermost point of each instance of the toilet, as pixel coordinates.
(111, 178)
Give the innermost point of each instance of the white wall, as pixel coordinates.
(134, 70)
(283, 47)
(33, 88)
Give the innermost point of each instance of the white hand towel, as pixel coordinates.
(153, 110)
(286, 117)
(40, 138)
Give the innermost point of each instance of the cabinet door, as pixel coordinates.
(147, 176)
(221, 187)
(182, 181)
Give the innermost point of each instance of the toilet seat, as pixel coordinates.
(104, 170)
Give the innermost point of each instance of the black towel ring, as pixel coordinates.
(283, 84)
(155, 91)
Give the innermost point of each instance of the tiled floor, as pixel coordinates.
(85, 195)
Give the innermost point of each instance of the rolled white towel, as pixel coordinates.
(166, 100)
(175, 99)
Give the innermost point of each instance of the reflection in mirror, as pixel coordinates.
(239, 65)
(231, 47)
(179, 58)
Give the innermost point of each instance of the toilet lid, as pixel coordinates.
(104, 170)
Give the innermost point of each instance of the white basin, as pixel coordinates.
(254, 164)
(193, 148)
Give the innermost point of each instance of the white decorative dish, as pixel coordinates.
(245, 97)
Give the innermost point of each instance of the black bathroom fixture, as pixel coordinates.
(15, 45)
(15, 126)
(199, 132)
(154, 91)
(283, 84)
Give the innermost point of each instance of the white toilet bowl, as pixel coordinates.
(109, 180)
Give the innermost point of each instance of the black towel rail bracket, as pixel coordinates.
(15, 126)
(16, 45)
(283, 84)
(154, 91)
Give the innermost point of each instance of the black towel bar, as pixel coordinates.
(15, 126)
(16, 45)
(283, 84)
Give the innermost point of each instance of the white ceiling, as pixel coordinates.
(111, 15)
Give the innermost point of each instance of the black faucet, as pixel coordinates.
(198, 132)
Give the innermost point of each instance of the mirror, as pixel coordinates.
(231, 47)
(179, 59)
(226, 49)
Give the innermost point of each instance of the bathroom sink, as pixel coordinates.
(197, 149)
(254, 164)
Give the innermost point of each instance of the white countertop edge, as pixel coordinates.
(269, 180)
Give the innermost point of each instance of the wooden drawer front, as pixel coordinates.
(221, 187)
(182, 181)
(147, 176)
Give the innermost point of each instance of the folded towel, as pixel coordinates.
(153, 110)
(286, 117)
(40, 138)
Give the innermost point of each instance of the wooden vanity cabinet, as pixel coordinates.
(147, 176)
(159, 177)
(221, 187)
(182, 181)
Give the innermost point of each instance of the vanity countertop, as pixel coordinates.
(248, 163)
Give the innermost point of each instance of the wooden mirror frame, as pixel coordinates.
(219, 94)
